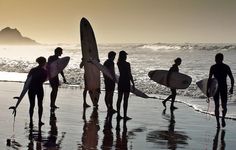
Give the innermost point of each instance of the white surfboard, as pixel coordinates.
(202, 84)
(90, 52)
(55, 68)
(177, 80)
(104, 70)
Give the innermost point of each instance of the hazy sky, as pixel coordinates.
(118, 21)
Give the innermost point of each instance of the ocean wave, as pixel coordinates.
(161, 47)
(195, 63)
(165, 47)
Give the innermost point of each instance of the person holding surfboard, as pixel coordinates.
(39, 76)
(174, 68)
(109, 83)
(124, 83)
(54, 82)
(220, 72)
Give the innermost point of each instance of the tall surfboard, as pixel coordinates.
(89, 52)
(55, 68)
(202, 84)
(177, 80)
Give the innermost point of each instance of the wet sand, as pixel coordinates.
(70, 127)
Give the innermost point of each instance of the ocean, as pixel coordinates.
(16, 61)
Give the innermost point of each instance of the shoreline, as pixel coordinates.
(158, 97)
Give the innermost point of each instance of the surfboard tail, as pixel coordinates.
(150, 74)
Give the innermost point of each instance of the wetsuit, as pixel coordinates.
(39, 76)
(124, 87)
(125, 76)
(174, 68)
(220, 72)
(109, 84)
(54, 82)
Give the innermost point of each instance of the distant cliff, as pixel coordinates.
(9, 36)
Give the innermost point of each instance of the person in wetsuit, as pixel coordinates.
(109, 83)
(54, 82)
(124, 83)
(39, 76)
(220, 72)
(174, 68)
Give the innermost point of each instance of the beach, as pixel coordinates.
(70, 127)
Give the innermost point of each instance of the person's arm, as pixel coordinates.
(63, 76)
(209, 80)
(113, 74)
(232, 81)
(131, 77)
(82, 63)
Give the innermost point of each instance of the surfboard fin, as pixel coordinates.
(14, 110)
(16, 97)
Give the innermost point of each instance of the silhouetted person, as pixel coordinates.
(109, 83)
(54, 82)
(174, 68)
(124, 83)
(39, 76)
(85, 104)
(220, 72)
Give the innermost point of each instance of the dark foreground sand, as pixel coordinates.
(152, 127)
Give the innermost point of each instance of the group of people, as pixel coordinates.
(124, 84)
(220, 71)
(39, 75)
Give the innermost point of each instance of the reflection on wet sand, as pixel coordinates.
(107, 142)
(43, 142)
(35, 137)
(90, 130)
(170, 138)
(121, 140)
(52, 141)
(216, 139)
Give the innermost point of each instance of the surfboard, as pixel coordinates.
(104, 70)
(90, 52)
(177, 80)
(55, 68)
(202, 84)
